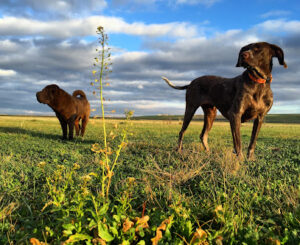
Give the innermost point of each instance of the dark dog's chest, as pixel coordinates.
(256, 102)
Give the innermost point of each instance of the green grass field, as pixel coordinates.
(49, 188)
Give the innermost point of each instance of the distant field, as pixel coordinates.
(193, 198)
(271, 118)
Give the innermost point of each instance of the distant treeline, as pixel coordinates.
(271, 118)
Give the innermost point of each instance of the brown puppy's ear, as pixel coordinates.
(53, 88)
(278, 52)
(52, 91)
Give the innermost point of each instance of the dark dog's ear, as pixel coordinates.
(239, 61)
(277, 52)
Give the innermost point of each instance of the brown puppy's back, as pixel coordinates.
(80, 93)
(82, 103)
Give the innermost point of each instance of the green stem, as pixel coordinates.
(102, 109)
(114, 164)
(118, 152)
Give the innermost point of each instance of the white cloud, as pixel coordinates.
(8, 45)
(194, 2)
(87, 26)
(276, 26)
(275, 13)
(133, 4)
(152, 105)
(143, 105)
(7, 73)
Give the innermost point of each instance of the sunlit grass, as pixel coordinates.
(230, 200)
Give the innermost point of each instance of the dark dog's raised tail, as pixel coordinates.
(80, 93)
(174, 86)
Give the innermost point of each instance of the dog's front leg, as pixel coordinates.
(63, 125)
(235, 124)
(71, 126)
(256, 127)
(71, 129)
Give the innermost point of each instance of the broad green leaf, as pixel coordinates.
(78, 237)
(104, 233)
(68, 227)
(117, 218)
(114, 231)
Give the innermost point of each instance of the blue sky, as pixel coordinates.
(44, 42)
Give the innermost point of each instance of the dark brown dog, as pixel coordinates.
(239, 99)
(68, 109)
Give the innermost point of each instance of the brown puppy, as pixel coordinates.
(68, 109)
(239, 99)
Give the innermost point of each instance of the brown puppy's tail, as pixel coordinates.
(173, 86)
(80, 93)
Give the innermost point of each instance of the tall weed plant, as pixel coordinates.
(80, 208)
(108, 156)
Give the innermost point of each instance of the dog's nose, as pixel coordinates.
(38, 97)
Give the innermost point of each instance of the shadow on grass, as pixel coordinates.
(41, 135)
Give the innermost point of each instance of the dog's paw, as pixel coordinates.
(179, 150)
(251, 157)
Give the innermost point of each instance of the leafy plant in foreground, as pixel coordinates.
(108, 156)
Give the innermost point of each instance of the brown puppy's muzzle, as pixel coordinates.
(39, 97)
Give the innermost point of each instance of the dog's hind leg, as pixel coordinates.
(71, 123)
(84, 122)
(210, 113)
(256, 127)
(235, 124)
(77, 126)
(189, 113)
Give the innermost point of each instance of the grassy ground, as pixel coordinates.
(193, 198)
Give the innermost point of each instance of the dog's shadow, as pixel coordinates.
(42, 135)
